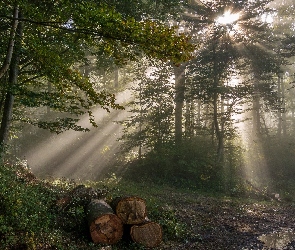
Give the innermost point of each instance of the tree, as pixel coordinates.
(234, 35)
(150, 125)
(57, 35)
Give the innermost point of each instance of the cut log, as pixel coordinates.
(148, 234)
(105, 226)
(131, 210)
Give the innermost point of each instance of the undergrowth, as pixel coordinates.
(31, 219)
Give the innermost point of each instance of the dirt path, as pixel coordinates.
(233, 224)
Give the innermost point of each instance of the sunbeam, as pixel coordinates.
(255, 168)
(81, 155)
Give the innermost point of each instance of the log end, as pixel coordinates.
(148, 234)
(131, 210)
(107, 229)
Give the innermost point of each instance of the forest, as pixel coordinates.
(185, 107)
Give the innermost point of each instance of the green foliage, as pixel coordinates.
(29, 215)
(53, 47)
(27, 209)
(190, 166)
(173, 229)
(151, 123)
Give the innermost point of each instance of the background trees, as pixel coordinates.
(232, 91)
(194, 118)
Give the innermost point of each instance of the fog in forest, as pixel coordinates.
(237, 108)
(147, 124)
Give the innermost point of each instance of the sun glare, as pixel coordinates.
(228, 18)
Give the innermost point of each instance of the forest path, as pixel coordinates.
(232, 223)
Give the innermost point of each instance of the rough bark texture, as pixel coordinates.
(105, 226)
(131, 210)
(148, 234)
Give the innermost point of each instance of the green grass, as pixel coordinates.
(29, 214)
(30, 217)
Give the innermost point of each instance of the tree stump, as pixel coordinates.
(148, 234)
(131, 210)
(105, 226)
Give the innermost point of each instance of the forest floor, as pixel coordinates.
(191, 219)
(232, 223)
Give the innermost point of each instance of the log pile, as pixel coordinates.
(105, 227)
(123, 218)
(133, 214)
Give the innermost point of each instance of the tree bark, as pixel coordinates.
(7, 61)
(217, 128)
(6, 118)
(13, 76)
(105, 227)
(256, 110)
(116, 77)
(148, 234)
(179, 100)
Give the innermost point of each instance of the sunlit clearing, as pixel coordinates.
(228, 18)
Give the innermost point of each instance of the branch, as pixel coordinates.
(7, 61)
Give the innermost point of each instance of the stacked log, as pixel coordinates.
(132, 212)
(148, 234)
(105, 227)
(108, 223)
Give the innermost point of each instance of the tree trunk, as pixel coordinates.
(13, 76)
(256, 109)
(279, 131)
(148, 234)
(105, 226)
(116, 77)
(179, 99)
(284, 117)
(6, 118)
(7, 61)
(218, 131)
(131, 210)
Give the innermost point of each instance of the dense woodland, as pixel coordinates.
(209, 94)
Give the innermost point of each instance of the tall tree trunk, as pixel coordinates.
(179, 100)
(116, 77)
(10, 49)
(256, 110)
(217, 129)
(283, 110)
(12, 80)
(188, 119)
(279, 131)
(49, 88)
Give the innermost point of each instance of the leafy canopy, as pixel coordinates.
(57, 38)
